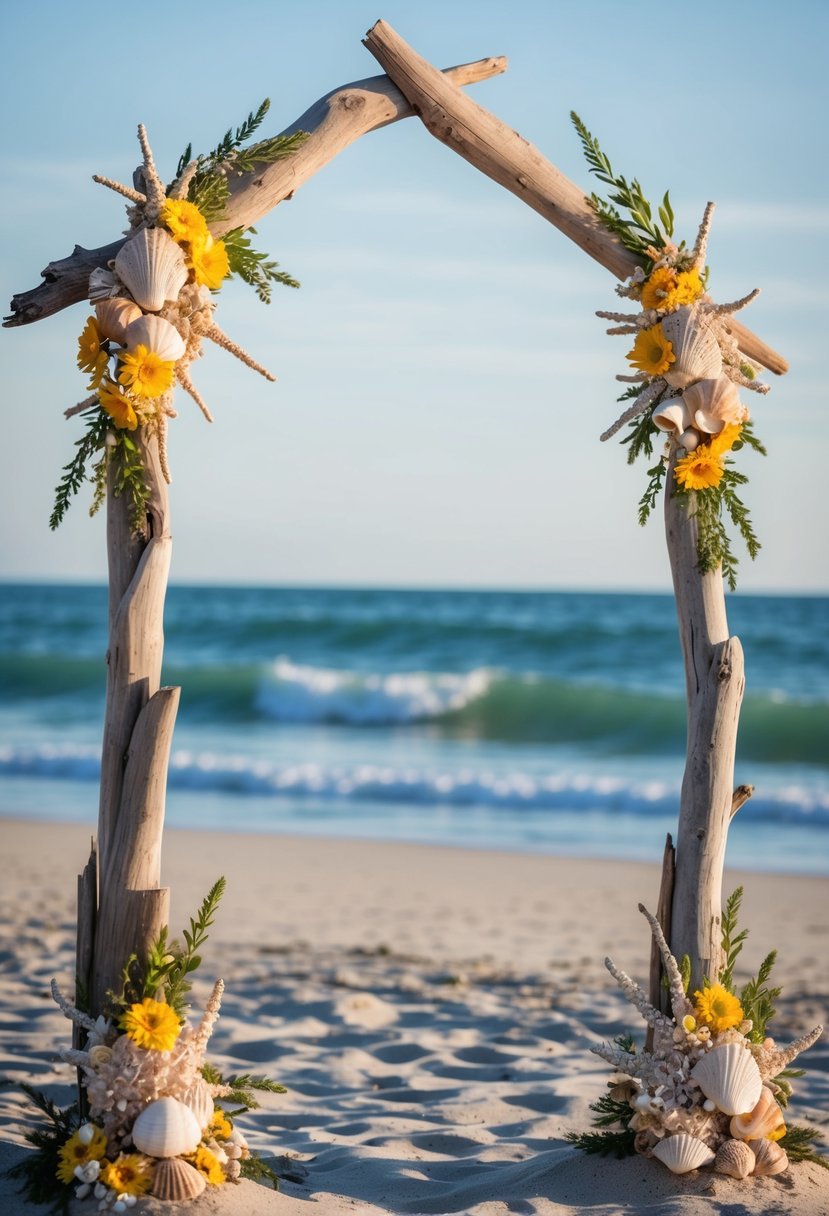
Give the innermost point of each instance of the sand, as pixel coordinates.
(430, 1010)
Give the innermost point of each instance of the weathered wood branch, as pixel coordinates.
(502, 154)
(332, 123)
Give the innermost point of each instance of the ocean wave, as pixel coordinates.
(514, 790)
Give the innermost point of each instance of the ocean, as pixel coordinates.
(550, 722)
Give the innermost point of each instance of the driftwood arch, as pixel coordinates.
(121, 903)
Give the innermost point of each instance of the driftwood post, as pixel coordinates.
(131, 905)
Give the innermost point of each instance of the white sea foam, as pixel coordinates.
(294, 693)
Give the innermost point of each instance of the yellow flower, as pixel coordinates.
(118, 405)
(718, 1008)
(652, 352)
(131, 1174)
(667, 289)
(689, 1024)
(152, 1024)
(91, 357)
(700, 470)
(210, 1166)
(144, 373)
(209, 261)
(74, 1152)
(724, 442)
(220, 1126)
(185, 222)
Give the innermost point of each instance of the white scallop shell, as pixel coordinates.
(690, 439)
(764, 1118)
(200, 1100)
(769, 1158)
(729, 1076)
(166, 1128)
(174, 1178)
(158, 335)
(697, 355)
(714, 403)
(114, 315)
(152, 267)
(734, 1158)
(672, 416)
(682, 1153)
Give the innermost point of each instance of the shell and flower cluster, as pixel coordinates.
(707, 1091)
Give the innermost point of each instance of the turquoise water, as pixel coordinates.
(538, 721)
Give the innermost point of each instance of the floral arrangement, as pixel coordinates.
(687, 369)
(153, 308)
(711, 1086)
(151, 1119)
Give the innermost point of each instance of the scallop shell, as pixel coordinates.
(672, 416)
(157, 335)
(166, 1128)
(714, 403)
(697, 355)
(682, 1153)
(764, 1118)
(176, 1179)
(769, 1158)
(114, 315)
(734, 1158)
(200, 1100)
(729, 1076)
(152, 266)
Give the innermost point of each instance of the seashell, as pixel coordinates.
(114, 315)
(99, 1055)
(764, 1118)
(734, 1158)
(176, 1179)
(200, 1100)
(152, 267)
(101, 284)
(697, 355)
(729, 1076)
(682, 1153)
(690, 439)
(157, 335)
(166, 1128)
(769, 1158)
(714, 403)
(672, 416)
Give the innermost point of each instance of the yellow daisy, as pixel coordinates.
(92, 358)
(699, 470)
(117, 404)
(185, 222)
(666, 289)
(152, 1024)
(209, 262)
(145, 373)
(131, 1174)
(724, 442)
(74, 1153)
(209, 1165)
(718, 1008)
(652, 352)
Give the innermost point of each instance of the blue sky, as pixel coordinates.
(442, 377)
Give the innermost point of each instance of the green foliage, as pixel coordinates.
(758, 1000)
(656, 478)
(641, 232)
(615, 1139)
(37, 1171)
(169, 965)
(799, 1145)
(684, 965)
(257, 1170)
(75, 472)
(710, 506)
(252, 266)
(114, 448)
(130, 478)
(242, 1088)
(732, 941)
(783, 1083)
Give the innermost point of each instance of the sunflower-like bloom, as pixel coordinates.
(75, 1152)
(209, 262)
(184, 221)
(130, 1174)
(700, 470)
(718, 1008)
(145, 373)
(725, 440)
(652, 352)
(209, 1165)
(92, 358)
(152, 1024)
(667, 289)
(118, 405)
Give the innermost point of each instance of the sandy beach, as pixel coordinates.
(429, 1009)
